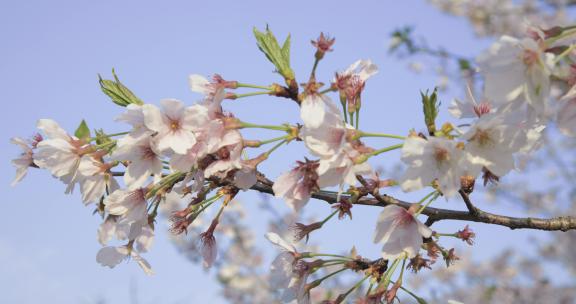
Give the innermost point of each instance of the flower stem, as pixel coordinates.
(394, 147)
(390, 272)
(565, 53)
(311, 255)
(253, 86)
(564, 34)
(109, 135)
(368, 134)
(446, 234)
(275, 147)
(341, 298)
(436, 195)
(236, 96)
(264, 142)
(329, 217)
(269, 127)
(208, 202)
(313, 73)
(330, 275)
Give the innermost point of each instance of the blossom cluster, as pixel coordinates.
(197, 152)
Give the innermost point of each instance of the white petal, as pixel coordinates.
(312, 111)
(278, 241)
(111, 256)
(153, 118)
(199, 84)
(52, 129)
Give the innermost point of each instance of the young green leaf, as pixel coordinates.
(119, 93)
(430, 105)
(280, 57)
(82, 132)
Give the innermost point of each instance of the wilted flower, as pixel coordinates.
(467, 235)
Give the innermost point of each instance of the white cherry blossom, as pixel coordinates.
(144, 160)
(286, 273)
(363, 68)
(296, 186)
(130, 205)
(514, 68)
(492, 142)
(59, 152)
(328, 139)
(342, 168)
(95, 178)
(111, 256)
(432, 159)
(314, 108)
(22, 162)
(200, 84)
(400, 232)
(175, 125)
(566, 115)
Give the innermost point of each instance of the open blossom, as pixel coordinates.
(24, 161)
(297, 185)
(492, 142)
(328, 139)
(228, 156)
(400, 232)
(200, 84)
(470, 108)
(130, 205)
(111, 256)
(246, 177)
(59, 153)
(134, 116)
(96, 178)
(433, 159)
(313, 109)
(287, 273)
(514, 68)
(175, 125)
(342, 167)
(566, 116)
(363, 69)
(144, 160)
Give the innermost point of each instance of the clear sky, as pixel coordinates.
(51, 52)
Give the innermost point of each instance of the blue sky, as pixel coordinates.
(51, 54)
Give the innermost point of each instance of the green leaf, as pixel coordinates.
(119, 93)
(82, 132)
(430, 105)
(286, 50)
(464, 64)
(280, 57)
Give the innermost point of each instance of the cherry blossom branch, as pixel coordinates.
(562, 223)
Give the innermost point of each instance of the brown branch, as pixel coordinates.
(563, 223)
